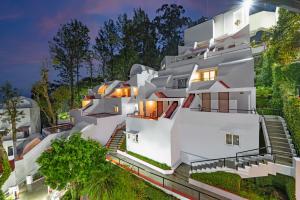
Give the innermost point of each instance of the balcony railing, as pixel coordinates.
(58, 128)
(203, 109)
(142, 116)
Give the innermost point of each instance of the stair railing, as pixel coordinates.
(118, 127)
(235, 159)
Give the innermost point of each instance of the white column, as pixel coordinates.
(296, 164)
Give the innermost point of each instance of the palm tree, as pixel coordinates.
(4, 162)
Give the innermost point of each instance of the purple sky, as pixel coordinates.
(26, 26)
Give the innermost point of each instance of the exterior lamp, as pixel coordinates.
(247, 4)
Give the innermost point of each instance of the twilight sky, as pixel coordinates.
(26, 26)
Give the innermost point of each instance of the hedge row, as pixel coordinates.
(227, 181)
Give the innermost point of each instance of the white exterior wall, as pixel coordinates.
(103, 129)
(203, 133)
(262, 21)
(154, 138)
(199, 33)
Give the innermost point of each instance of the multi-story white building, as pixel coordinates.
(200, 106)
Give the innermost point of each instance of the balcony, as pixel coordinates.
(153, 117)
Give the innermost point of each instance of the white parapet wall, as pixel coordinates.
(296, 164)
(103, 129)
(204, 134)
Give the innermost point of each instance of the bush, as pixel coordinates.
(2, 196)
(150, 161)
(227, 181)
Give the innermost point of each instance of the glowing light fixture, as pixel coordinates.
(247, 3)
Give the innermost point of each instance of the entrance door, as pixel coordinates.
(206, 102)
(160, 108)
(223, 101)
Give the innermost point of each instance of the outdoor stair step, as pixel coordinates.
(280, 139)
(280, 144)
(284, 149)
(282, 153)
(277, 134)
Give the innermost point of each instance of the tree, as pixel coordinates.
(107, 44)
(68, 49)
(170, 24)
(70, 163)
(5, 165)
(284, 39)
(40, 92)
(90, 66)
(144, 38)
(11, 100)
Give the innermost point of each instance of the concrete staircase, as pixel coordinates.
(280, 140)
(117, 138)
(182, 171)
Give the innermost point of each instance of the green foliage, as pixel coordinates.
(70, 163)
(128, 186)
(224, 180)
(170, 23)
(284, 39)
(2, 196)
(69, 49)
(61, 98)
(63, 116)
(150, 161)
(269, 187)
(264, 71)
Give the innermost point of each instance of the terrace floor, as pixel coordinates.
(102, 115)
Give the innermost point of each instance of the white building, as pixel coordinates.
(200, 106)
(28, 124)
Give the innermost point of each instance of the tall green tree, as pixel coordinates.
(70, 163)
(107, 45)
(170, 23)
(69, 48)
(144, 38)
(41, 94)
(4, 175)
(11, 100)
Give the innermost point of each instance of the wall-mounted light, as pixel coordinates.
(247, 3)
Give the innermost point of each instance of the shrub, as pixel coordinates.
(2, 196)
(150, 161)
(224, 180)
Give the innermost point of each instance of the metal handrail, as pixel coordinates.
(203, 109)
(163, 178)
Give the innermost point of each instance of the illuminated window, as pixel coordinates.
(205, 75)
(116, 108)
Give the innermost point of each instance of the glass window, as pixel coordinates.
(206, 76)
(228, 138)
(212, 75)
(10, 151)
(182, 83)
(236, 140)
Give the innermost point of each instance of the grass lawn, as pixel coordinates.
(131, 187)
(270, 187)
(150, 161)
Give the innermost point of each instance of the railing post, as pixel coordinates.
(119, 161)
(138, 171)
(199, 195)
(163, 182)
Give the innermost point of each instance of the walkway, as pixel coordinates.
(176, 184)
